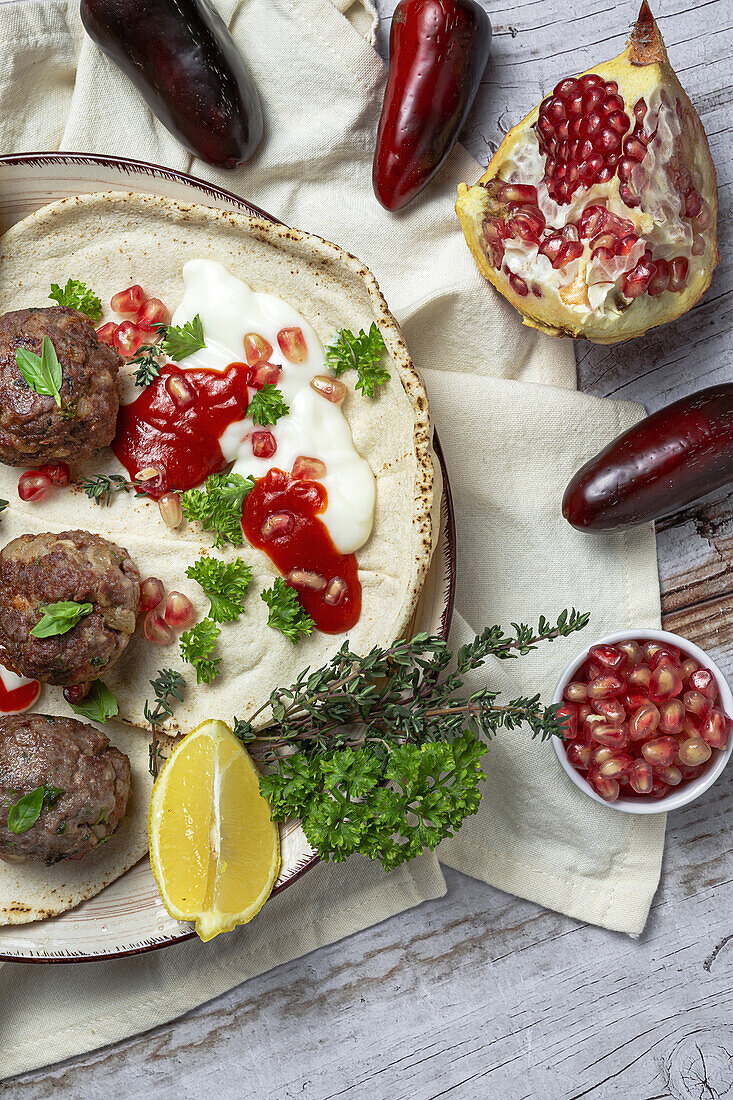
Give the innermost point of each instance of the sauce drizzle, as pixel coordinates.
(15, 700)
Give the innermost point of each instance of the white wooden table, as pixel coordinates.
(480, 995)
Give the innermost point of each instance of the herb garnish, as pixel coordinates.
(76, 296)
(267, 405)
(3, 505)
(180, 341)
(24, 813)
(197, 645)
(388, 745)
(59, 618)
(41, 372)
(167, 685)
(146, 359)
(99, 705)
(287, 613)
(218, 506)
(225, 583)
(361, 353)
(101, 487)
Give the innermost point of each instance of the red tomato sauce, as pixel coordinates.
(18, 699)
(161, 430)
(306, 546)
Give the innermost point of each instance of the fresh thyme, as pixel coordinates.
(147, 361)
(167, 686)
(102, 487)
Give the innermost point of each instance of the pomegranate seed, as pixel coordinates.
(628, 197)
(660, 750)
(128, 301)
(593, 721)
(658, 653)
(152, 479)
(609, 683)
(690, 771)
(693, 203)
(306, 578)
(615, 737)
(308, 469)
(278, 524)
(518, 285)
(579, 756)
(575, 692)
(106, 334)
(634, 699)
(292, 344)
(181, 390)
(616, 765)
(264, 444)
(689, 665)
(593, 671)
(333, 389)
(606, 241)
(636, 282)
(178, 611)
(264, 374)
(672, 716)
(665, 683)
(551, 246)
(697, 704)
(256, 349)
(170, 509)
(669, 774)
(591, 221)
(642, 777)
(156, 629)
(702, 680)
(152, 313)
(567, 716)
(128, 338)
(525, 227)
(611, 710)
(715, 729)
(58, 473)
(694, 751)
(583, 712)
(518, 192)
(601, 754)
(33, 486)
(152, 594)
(634, 148)
(703, 219)
(634, 655)
(76, 692)
(336, 591)
(608, 789)
(606, 141)
(639, 677)
(678, 269)
(640, 111)
(659, 789)
(643, 722)
(609, 656)
(660, 281)
(573, 250)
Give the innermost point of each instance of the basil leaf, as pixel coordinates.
(25, 812)
(99, 705)
(59, 618)
(41, 372)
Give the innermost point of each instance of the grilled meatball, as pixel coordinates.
(78, 566)
(86, 781)
(33, 429)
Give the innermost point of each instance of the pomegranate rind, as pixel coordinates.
(640, 71)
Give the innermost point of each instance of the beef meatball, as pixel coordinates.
(36, 570)
(33, 429)
(86, 783)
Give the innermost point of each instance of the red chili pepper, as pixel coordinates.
(438, 51)
(661, 464)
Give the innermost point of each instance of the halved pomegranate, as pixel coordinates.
(597, 215)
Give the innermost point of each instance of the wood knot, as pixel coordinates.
(701, 1067)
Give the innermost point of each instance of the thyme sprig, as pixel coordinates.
(167, 686)
(101, 487)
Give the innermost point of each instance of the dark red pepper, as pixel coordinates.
(438, 50)
(661, 464)
(183, 60)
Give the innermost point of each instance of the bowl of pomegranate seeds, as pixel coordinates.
(648, 721)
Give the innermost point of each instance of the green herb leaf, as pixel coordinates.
(225, 584)
(218, 506)
(287, 613)
(197, 645)
(76, 296)
(41, 372)
(24, 813)
(167, 685)
(267, 405)
(3, 505)
(180, 341)
(147, 361)
(361, 353)
(101, 487)
(99, 705)
(59, 618)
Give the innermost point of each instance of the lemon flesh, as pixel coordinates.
(214, 851)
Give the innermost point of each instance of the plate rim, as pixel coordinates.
(152, 169)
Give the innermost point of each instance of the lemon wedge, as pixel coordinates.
(214, 851)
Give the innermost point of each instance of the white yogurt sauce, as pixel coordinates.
(314, 427)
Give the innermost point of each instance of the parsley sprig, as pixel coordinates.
(388, 746)
(41, 372)
(267, 405)
(225, 584)
(287, 613)
(197, 645)
(361, 353)
(75, 295)
(180, 341)
(218, 506)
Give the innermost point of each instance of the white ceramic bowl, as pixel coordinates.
(680, 796)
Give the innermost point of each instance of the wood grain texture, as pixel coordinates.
(481, 995)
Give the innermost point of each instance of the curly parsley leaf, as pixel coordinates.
(197, 645)
(75, 295)
(267, 405)
(99, 705)
(218, 506)
(225, 584)
(287, 613)
(59, 618)
(180, 341)
(41, 372)
(361, 353)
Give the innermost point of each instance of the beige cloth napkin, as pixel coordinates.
(513, 430)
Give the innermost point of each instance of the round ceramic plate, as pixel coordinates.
(128, 917)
